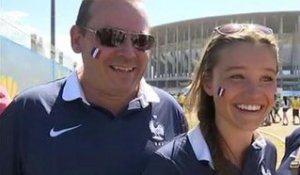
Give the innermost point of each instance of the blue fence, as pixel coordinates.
(21, 68)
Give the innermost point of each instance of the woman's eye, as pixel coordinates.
(267, 79)
(236, 77)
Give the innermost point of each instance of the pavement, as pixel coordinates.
(277, 132)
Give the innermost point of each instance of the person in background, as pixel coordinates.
(298, 107)
(285, 108)
(276, 108)
(295, 103)
(104, 119)
(273, 115)
(4, 99)
(232, 92)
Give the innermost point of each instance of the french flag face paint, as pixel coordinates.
(221, 91)
(95, 52)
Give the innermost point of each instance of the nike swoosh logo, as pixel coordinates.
(59, 132)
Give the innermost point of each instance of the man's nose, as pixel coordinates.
(127, 49)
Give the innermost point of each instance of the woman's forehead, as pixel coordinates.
(247, 55)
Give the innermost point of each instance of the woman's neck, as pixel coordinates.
(229, 137)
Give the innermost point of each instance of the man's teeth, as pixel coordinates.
(249, 107)
(126, 69)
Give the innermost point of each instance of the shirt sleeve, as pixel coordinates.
(183, 124)
(9, 153)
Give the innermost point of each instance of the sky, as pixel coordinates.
(33, 16)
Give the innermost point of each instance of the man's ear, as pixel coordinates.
(75, 34)
(208, 85)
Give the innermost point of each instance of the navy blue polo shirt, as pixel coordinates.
(292, 144)
(189, 154)
(53, 130)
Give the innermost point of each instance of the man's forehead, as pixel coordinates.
(104, 5)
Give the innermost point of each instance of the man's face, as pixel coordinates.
(116, 69)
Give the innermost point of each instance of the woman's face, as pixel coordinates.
(248, 74)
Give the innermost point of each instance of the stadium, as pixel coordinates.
(179, 47)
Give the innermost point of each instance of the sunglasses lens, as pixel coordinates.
(114, 37)
(111, 37)
(143, 42)
(229, 29)
(264, 29)
(235, 28)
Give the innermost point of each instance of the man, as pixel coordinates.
(103, 119)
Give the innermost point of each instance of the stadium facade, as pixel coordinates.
(179, 47)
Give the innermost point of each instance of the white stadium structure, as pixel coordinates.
(179, 45)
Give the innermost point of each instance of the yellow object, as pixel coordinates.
(181, 99)
(10, 85)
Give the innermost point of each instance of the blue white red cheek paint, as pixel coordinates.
(95, 52)
(221, 91)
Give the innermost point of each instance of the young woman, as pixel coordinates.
(232, 92)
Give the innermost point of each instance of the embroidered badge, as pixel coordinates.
(157, 130)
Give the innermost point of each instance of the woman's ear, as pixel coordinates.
(75, 34)
(208, 85)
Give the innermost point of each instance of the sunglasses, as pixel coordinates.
(232, 28)
(113, 37)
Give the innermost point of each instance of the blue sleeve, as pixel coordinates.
(183, 124)
(159, 165)
(9, 141)
(284, 168)
(292, 143)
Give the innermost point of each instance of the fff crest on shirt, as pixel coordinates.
(157, 130)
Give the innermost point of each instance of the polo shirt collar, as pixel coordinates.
(259, 142)
(73, 90)
(200, 146)
(145, 95)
